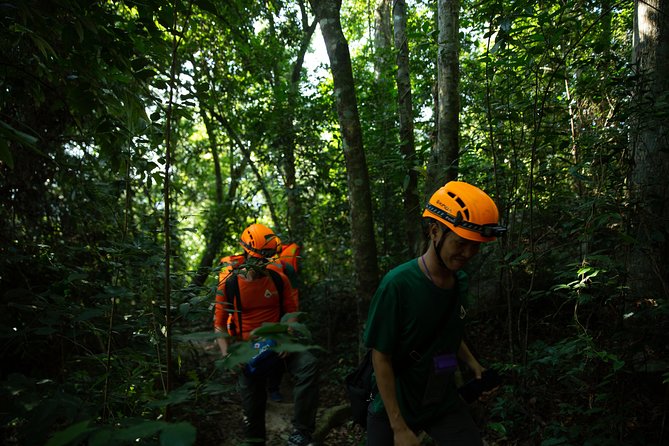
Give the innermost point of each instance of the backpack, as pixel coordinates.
(361, 389)
(290, 254)
(234, 300)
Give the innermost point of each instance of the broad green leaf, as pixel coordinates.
(270, 328)
(141, 429)
(69, 435)
(177, 396)
(16, 135)
(102, 437)
(554, 441)
(178, 434)
(5, 154)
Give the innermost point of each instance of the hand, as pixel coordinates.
(477, 368)
(486, 395)
(405, 437)
(489, 384)
(234, 370)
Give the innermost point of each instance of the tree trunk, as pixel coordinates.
(296, 220)
(246, 153)
(382, 38)
(213, 144)
(382, 121)
(362, 225)
(213, 235)
(287, 91)
(407, 142)
(649, 182)
(213, 232)
(443, 165)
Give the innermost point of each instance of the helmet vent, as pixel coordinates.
(461, 203)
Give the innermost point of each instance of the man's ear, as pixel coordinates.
(433, 230)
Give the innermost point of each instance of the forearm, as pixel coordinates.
(465, 355)
(385, 381)
(223, 342)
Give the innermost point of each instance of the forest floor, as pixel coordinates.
(278, 421)
(218, 418)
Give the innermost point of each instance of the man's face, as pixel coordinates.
(457, 251)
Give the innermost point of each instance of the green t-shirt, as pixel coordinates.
(408, 313)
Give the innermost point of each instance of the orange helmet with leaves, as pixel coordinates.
(466, 210)
(259, 241)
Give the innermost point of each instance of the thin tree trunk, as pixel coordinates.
(213, 144)
(382, 38)
(362, 226)
(167, 216)
(287, 133)
(382, 118)
(246, 153)
(213, 235)
(444, 158)
(407, 142)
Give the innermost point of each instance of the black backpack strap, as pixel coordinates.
(234, 300)
(278, 284)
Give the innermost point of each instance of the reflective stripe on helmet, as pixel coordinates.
(487, 230)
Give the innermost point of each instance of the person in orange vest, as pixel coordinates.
(286, 261)
(251, 293)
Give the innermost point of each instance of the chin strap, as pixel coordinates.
(437, 248)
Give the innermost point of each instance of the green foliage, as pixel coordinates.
(34, 409)
(567, 396)
(545, 128)
(137, 432)
(290, 337)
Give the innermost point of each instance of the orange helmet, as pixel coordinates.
(259, 241)
(466, 210)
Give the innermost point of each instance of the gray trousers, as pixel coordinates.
(303, 368)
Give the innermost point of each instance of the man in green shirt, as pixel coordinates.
(416, 322)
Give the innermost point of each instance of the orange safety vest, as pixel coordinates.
(261, 299)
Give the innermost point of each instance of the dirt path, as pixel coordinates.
(278, 422)
(277, 419)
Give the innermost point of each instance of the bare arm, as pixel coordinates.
(223, 342)
(466, 356)
(385, 381)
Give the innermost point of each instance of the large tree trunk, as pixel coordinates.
(362, 225)
(649, 264)
(407, 142)
(443, 165)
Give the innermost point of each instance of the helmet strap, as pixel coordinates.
(438, 246)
